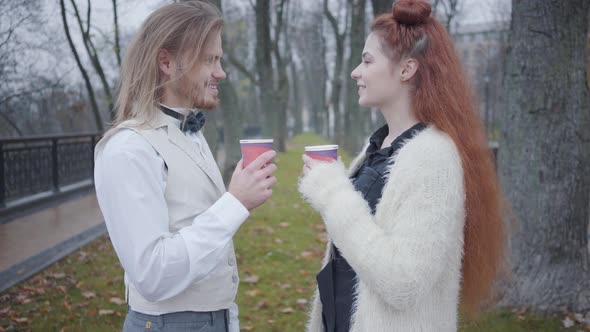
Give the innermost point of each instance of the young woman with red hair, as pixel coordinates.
(415, 226)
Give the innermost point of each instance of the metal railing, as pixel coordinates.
(44, 164)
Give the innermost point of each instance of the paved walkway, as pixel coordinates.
(31, 243)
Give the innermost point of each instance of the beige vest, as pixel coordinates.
(193, 185)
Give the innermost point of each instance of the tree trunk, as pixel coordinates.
(281, 102)
(93, 55)
(282, 91)
(264, 64)
(89, 88)
(544, 156)
(231, 114)
(297, 112)
(274, 93)
(353, 118)
(337, 74)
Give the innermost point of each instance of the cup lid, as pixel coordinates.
(261, 140)
(321, 147)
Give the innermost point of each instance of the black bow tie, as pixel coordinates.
(193, 122)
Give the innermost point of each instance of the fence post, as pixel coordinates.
(2, 178)
(54, 162)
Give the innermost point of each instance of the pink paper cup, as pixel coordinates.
(252, 148)
(322, 152)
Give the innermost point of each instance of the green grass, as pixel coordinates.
(279, 250)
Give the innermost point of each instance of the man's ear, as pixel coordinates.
(409, 68)
(165, 62)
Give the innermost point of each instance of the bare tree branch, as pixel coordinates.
(89, 88)
(93, 54)
(87, 17)
(11, 123)
(116, 26)
(242, 68)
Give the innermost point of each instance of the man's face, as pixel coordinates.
(197, 88)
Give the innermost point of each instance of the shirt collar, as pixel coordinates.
(183, 111)
(378, 137)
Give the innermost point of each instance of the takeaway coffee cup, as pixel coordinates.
(322, 152)
(252, 148)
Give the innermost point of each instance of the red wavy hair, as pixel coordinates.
(442, 97)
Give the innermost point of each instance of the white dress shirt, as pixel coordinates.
(129, 167)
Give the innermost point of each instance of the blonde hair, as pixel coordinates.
(182, 29)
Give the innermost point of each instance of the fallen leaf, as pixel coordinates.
(287, 310)
(567, 322)
(103, 312)
(307, 254)
(254, 292)
(89, 295)
(322, 237)
(285, 286)
(580, 319)
(302, 301)
(320, 227)
(22, 299)
(21, 271)
(58, 275)
(116, 300)
(279, 241)
(81, 305)
(251, 279)
(21, 320)
(247, 328)
(270, 321)
(284, 224)
(261, 304)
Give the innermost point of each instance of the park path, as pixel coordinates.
(29, 244)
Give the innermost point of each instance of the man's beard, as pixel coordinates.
(198, 96)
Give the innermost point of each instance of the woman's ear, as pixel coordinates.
(409, 68)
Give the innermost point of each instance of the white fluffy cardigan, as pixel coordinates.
(407, 256)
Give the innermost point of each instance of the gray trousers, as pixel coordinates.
(213, 321)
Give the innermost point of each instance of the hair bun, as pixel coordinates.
(411, 12)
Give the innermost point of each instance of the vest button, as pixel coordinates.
(234, 278)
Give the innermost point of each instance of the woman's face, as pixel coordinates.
(378, 78)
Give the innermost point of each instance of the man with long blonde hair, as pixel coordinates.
(168, 214)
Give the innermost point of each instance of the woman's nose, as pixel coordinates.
(355, 75)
